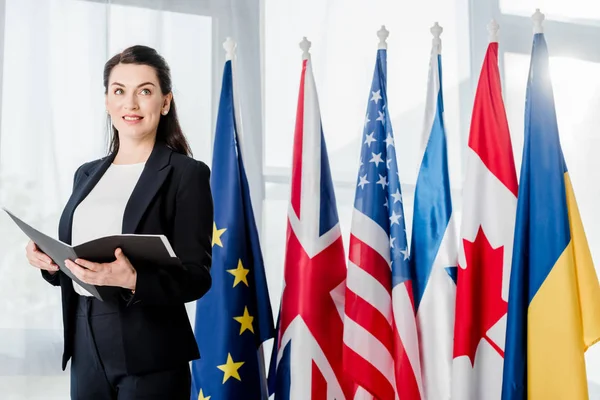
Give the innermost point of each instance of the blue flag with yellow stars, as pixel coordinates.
(234, 318)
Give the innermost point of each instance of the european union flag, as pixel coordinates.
(234, 318)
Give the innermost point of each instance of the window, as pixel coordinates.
(344, 45)
(53, 120)
(574, 10)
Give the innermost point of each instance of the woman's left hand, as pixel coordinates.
(117, 273)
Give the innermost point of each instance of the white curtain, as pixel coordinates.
(344, 45)
(53, 120)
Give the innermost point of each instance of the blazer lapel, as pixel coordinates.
(84, 187)
(153, 176)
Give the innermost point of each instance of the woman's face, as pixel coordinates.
(135, 101)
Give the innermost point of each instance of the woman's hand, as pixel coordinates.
(39, 259)
(117, 273)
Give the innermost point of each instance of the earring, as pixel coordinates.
(165, 112)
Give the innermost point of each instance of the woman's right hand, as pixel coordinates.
(39, 259)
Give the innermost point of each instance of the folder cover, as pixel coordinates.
(145, 251)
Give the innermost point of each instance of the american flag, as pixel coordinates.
(381, 352)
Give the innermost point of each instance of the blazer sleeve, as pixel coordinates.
(54, 279)
(191, 241)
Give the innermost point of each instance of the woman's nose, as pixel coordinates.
(131, 103)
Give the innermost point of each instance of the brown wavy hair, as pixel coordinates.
(169, 131)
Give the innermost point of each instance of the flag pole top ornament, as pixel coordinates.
(305, 46)
(229, 45)
(493, 28)
(538, 19)
(436, 30)
(382, 34)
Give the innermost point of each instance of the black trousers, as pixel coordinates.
(98, 370)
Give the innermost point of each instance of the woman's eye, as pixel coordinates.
(119, 91)
(145, 91)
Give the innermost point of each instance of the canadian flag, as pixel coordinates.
(485, 248)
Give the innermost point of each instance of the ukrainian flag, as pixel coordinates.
(554, 298)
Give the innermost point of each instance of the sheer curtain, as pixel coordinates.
(344, 45)
(53, 120)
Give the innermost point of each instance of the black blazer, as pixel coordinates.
(173, 198)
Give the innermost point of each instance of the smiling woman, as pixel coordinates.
(139, 99)
(138, 343)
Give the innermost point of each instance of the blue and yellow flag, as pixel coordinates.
(554, 297)
(234, 318)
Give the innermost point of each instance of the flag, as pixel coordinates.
(234, 318)
(554, 297)
(381, 352)
(309, 344)
(433, 255)
(485, 249)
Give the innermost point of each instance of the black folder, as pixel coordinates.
(143, 251)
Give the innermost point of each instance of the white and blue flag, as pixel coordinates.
(433, 256)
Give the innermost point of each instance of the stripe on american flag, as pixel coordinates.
(369, 322)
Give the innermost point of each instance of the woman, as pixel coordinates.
(138, 343)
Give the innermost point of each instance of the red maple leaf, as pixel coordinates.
(479, 303)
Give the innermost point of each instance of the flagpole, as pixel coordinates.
(493, 29)
(230, 46)
(382, 34)
(305, 45)
(538, 19)
(436, 30)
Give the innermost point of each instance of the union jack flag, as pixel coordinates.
(381, 352)
(309, 344)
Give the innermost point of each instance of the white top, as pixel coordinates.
(493, 28)
(101, 212)
(538, 19)
(229, 45)
(436, 43)
(305, 47)
(382, 34)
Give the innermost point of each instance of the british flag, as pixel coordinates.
(309, 343)
(381, 352)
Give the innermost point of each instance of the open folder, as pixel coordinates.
(143, 251)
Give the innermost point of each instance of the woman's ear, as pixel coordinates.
(168, 99)
(167, 104)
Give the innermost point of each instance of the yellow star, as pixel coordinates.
(201, 396)
(246, 321)
(240, 274)
(216, 237)
(230, 369)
